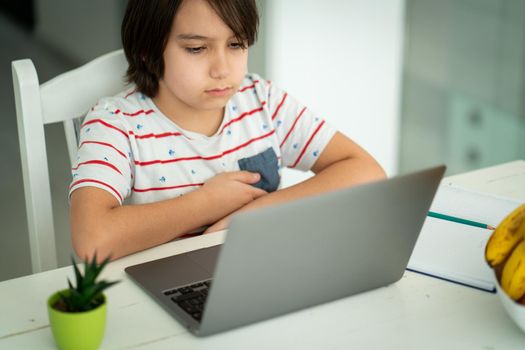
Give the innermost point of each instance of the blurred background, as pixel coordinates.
(416, 82)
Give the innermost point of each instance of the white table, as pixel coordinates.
(417, 312)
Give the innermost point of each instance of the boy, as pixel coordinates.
(196, 139)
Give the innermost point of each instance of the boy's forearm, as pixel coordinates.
(344, 173)
(99, 223)
(342, 163)
(341, 174)
(130, 228)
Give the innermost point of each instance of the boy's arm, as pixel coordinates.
(99, 223)
(342, 163)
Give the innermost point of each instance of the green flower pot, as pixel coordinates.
(77, 330)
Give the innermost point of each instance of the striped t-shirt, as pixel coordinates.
(130, 149)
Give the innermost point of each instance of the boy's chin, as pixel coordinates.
(216, 104)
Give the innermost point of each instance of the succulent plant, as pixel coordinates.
(87, 294)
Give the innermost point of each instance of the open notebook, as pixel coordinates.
(455, 251)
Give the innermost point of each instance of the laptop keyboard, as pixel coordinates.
(191, 298)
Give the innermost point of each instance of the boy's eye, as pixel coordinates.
(195, 50)
(237, 45)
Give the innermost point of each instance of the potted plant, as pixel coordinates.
(77, 315)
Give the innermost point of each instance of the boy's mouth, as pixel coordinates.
(219, 92)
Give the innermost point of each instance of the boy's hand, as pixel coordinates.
(231, 191)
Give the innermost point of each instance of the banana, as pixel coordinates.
(513, 277)
(506, 236)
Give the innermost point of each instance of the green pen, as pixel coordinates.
(459, 220)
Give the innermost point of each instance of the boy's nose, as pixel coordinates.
(219, 66)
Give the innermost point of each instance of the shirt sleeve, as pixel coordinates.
(104, 157)
(302, 134)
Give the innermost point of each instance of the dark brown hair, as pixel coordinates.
(146, 27)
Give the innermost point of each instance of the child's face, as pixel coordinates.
(204, 63)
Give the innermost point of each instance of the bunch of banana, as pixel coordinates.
(505, 251)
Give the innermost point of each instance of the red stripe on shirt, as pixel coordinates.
(279, 106)
(293, 126)
(249, 87)
(94, 121)
(98, 182)
(104, 144)
(307, 144)
(246, 143)
(134, 114)
(160, 161)
(157, 136)
(99, 162)
(145, 136)
(165, 188)
(242, 116)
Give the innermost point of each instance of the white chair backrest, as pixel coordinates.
(61, 99)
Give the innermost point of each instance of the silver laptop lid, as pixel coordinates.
(287, 257)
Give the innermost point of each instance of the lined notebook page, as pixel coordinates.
(467, 204)
(455, 251)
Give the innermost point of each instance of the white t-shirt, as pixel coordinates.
(130, 149)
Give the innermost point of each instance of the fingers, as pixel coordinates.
(236, 184)
(244, 176)
(249, 178)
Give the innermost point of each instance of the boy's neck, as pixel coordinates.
(205, 122)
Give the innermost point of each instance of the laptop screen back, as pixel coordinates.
(287, 257)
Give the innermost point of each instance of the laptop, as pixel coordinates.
(290, 256)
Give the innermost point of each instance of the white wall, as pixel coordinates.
(343, 59)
